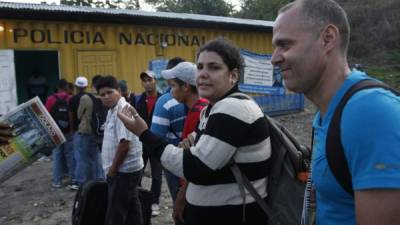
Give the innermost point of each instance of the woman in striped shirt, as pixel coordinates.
(231, 127)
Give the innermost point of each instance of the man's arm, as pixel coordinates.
(122, 151)
(71, 121)
(377, 207)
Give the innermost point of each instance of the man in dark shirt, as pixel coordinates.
(145, 108)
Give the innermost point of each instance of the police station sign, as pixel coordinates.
(48, 36)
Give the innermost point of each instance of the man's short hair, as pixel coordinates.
(95, 79)
(319, 13)
(173, 62)
(107, 81)
(123, 85)
(62, 84)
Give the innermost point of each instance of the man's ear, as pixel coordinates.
(234, 76)
(186, 86)
(330, 37)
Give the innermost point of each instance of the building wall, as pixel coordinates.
(120, 49)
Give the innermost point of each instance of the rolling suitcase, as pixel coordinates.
(90, 204)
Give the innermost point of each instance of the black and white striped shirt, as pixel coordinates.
(232, 127)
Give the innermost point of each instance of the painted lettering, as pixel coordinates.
(50, 38)
(98, 38)
(183, 40)
(76, 37)
(151, 39)
(195, 41)
(18, 33)
(170, 39)
(87, 37)
(65, 37)
(139, 39)
(38, 36)
(125, 39)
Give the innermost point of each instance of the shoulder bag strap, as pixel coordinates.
(243, 181)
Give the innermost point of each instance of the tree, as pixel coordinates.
(205, 7)
(121, 4)
(260, 9)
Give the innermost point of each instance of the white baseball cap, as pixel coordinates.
(148, 73)
(184, 71)
(81, 82)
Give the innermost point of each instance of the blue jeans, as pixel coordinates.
(63, 161)
(99, 167)
(123, 207)
(87, 158)
(173, 184)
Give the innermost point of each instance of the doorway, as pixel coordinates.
(36, 72)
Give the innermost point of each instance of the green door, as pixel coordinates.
(36, 72)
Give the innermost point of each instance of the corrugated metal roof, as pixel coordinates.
(67, 13)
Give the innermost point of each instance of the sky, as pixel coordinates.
(144, 6)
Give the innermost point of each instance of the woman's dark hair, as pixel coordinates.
(228, 51)
(106, 81)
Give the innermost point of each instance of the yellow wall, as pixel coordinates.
(130, 59)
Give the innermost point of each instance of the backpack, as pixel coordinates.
(286, 184)
(334, 149)
(99, 116)
(59, 112)
(90, 204)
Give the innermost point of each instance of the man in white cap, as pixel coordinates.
(182, 79)
(84, 142)
(168, 118)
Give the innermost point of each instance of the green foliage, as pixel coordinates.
(261, 9)
(395, 56)
(389, 76)
(205, 7)
(124, 4)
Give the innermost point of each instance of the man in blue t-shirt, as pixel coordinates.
(311, 38)
(168, 119)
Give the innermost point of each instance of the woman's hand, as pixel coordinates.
(132, 121)
(5, 133)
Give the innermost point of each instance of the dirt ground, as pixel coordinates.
(28, 198)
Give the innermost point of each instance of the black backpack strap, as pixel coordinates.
(334, 149)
